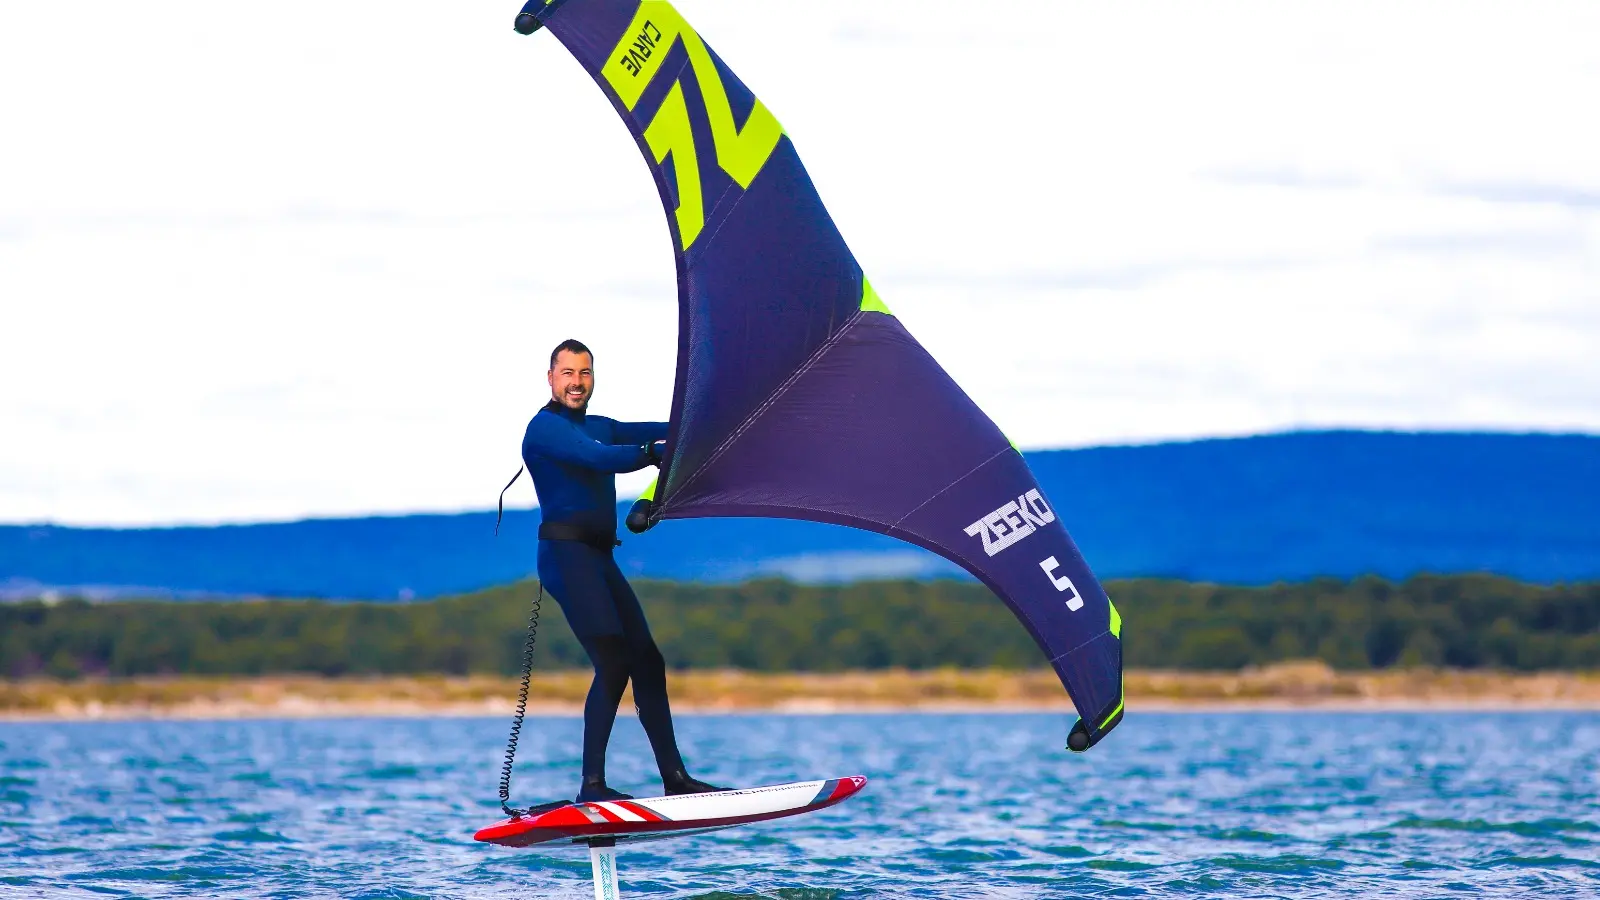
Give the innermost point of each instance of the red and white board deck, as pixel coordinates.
(659, 817)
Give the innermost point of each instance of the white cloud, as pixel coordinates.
(261, 264)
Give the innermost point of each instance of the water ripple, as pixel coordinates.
(1247, 804)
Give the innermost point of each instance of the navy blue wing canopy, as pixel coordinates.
(798, 394)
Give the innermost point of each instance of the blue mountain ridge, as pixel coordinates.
(1255, 510)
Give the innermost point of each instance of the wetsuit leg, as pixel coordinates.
(648, 669)
(609, 653)
(574, 574)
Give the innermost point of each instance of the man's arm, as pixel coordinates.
(552, 437)
(638, 432)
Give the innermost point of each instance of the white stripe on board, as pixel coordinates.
(625, 813)
(725, 804)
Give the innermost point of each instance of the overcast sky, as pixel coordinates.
(261, 263)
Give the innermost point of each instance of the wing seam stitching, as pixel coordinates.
(936, 494)
(774, 397)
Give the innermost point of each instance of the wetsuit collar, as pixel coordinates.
(571, 415)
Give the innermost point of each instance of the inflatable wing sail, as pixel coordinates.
(798, 394)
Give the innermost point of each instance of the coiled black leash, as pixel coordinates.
(522, 709)
(527, 675)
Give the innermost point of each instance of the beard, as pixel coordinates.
(574, 401)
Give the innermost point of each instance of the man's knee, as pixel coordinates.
(648, 662)
(612, 665)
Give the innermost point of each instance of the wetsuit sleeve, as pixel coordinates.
(638, 432)
(550, 437)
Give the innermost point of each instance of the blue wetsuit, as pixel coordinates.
(574, 459)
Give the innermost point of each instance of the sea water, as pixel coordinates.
(1239, 804)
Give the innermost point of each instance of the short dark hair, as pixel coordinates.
(571, 346)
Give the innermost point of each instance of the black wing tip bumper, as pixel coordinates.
(641, 517)
(528, 20)
(1081, 738)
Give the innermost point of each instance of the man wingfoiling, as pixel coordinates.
(574, 458)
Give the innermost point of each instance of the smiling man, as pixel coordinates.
(574, 458)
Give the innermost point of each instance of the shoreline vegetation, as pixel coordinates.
(1432, 641)
(1308, 685)
(1467, 622)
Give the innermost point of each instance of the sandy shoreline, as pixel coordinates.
(1287, 687)
(224, 712)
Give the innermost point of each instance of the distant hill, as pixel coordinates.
(1243, 511)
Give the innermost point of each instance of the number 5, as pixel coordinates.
(1062, 583)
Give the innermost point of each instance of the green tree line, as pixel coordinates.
(1467, 621)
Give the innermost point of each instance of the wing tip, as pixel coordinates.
(1080, 739)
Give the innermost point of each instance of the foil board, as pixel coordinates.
(653, 818)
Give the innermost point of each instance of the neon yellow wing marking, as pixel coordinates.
(638, 56)
(870, 301)
(1113, 713)
(650, 492)
(669, 133)
(637, 59)
(740, 152)
(1116, 632)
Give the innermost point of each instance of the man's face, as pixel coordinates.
(572, 379)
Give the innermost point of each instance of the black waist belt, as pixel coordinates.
(562, 531)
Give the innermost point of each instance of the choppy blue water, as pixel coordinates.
(1181, 805)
